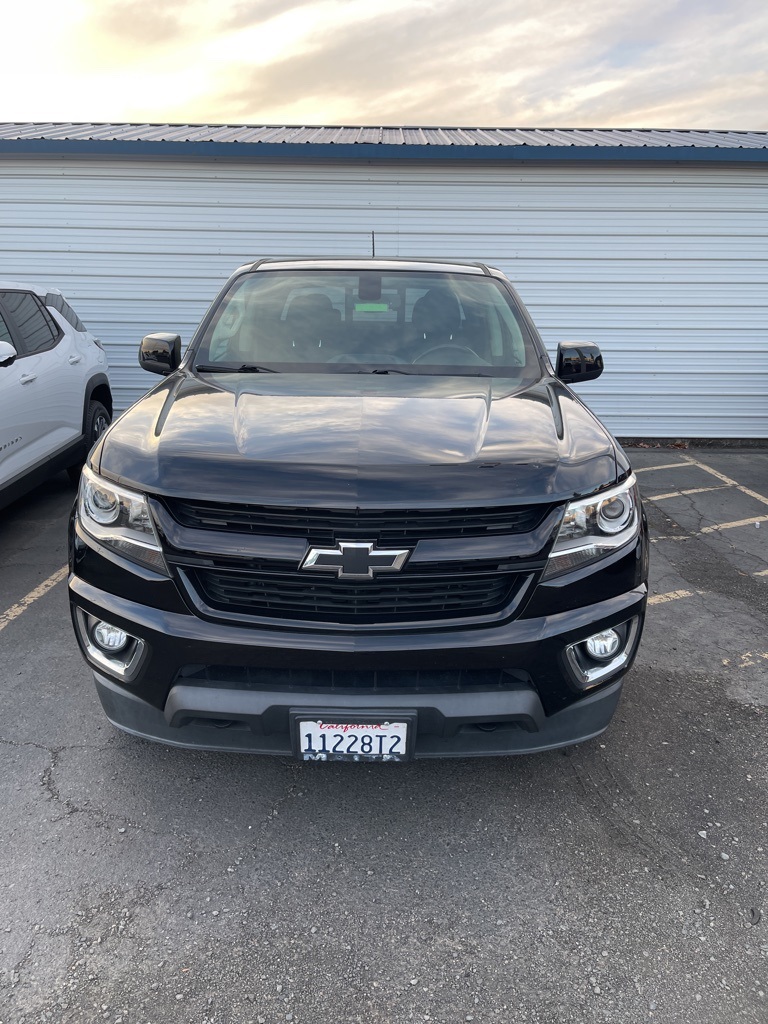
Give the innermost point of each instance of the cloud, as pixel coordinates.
(121, 24)
(574, 63)
(256, 12)
(419, 62)
(569, 63)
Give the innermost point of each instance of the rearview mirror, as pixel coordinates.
(578, 361)
(7, 353)
(160, 353)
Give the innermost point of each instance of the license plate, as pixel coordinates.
(352, 741)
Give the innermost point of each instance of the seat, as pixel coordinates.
(310, 323)
(436, 318)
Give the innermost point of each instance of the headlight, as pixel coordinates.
(594, 527)
(119, 519)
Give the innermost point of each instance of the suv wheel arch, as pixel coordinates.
(98, 390)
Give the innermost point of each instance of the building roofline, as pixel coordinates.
(383, 143)
(372, 152)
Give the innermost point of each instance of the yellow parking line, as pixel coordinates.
(763, 572)
(692, 490)
(753, 520)
(673, 595)
(7, 617)
(652, 469)
(747, 660)
(727, 480)
(731, 526)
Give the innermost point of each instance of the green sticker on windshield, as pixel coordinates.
(371, 307)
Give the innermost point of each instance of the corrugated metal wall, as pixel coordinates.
(665, 267)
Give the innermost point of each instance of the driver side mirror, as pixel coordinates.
(7, 353)
(578, 361)
(160, 353)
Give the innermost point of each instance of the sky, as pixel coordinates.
(514, 63)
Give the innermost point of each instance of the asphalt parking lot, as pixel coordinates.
(622, 881)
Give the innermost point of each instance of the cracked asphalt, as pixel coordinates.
(622, 881)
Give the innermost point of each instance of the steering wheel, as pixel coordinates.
(475, 359)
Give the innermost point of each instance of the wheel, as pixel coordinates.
(96, 422)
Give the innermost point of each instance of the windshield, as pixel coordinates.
(341, 321)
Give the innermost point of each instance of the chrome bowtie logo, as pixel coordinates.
(353, 560)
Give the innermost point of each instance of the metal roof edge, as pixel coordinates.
(255, 151)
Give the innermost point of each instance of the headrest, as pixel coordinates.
(310, 306)
(436, 312)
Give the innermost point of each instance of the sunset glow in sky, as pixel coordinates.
(544, 63)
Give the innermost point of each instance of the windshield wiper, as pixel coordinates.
(243, 368)
(407, 373)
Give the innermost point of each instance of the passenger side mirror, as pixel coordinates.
(578, 361)
(7, 353)
(160, 353)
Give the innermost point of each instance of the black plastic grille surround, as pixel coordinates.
(410, 598)
(381, 525)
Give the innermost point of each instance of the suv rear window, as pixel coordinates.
(334, 321)
(60, 304)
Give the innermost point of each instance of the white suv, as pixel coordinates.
(55, 398)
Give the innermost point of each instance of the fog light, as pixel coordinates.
(603, 655)
(109, 638)
(108, 648)
(603, 646)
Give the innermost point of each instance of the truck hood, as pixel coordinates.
(343, 440)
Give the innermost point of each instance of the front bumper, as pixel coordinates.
(448, 725)
(216, 686)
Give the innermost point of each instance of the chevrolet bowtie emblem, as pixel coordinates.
(354, 560)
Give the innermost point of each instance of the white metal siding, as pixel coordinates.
(666, 268)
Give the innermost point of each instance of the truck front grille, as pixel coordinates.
(382, 525)
(410, 598)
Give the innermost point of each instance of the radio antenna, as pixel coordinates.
(373, 243)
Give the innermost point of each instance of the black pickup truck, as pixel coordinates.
(362, 518)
